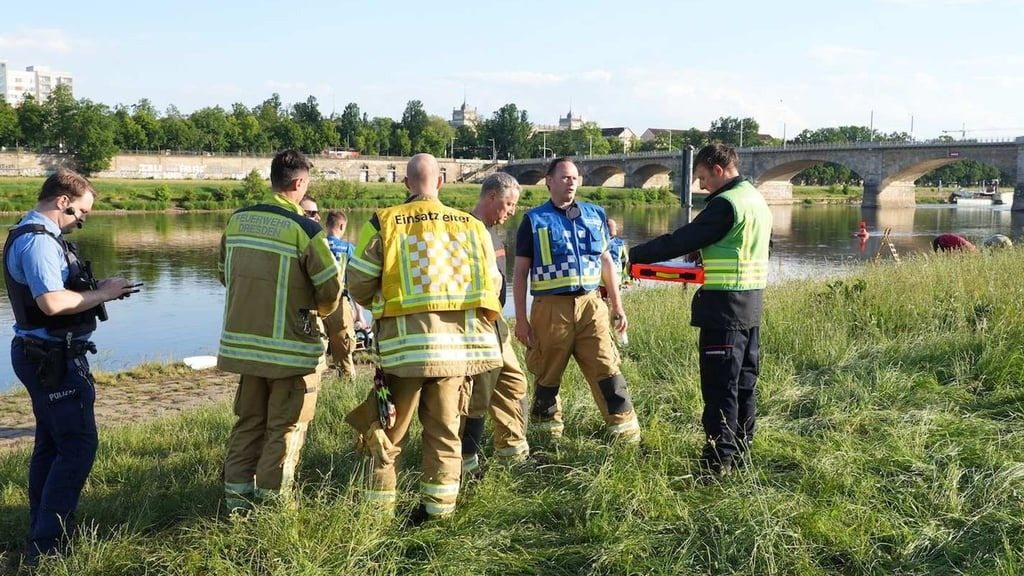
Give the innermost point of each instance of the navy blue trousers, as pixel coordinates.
(729, 365)
(65, 448)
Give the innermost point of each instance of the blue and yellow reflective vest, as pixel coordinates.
(567, 252)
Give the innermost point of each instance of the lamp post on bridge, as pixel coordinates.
(494, 151)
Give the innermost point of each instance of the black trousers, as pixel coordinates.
(729, 365)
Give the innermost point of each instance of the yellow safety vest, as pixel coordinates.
(436, 259)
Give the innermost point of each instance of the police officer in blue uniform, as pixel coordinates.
(56, 303)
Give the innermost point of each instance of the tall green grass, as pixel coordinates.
(890, 441)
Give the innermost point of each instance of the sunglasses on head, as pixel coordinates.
(312, 212)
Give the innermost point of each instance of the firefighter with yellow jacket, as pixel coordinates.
(427, 272)
(280, 276)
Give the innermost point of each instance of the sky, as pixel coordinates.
(926, 65)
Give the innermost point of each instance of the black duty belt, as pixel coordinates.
(72, 348)
(573, 294)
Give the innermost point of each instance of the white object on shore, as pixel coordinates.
(200, 362)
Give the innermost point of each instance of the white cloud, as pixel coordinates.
(596, 76)
(37, 39)
(530, 79)
(835, 55)
(287, 85)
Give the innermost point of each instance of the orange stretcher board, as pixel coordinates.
(670, 271)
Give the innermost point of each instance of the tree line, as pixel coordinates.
(95, 132)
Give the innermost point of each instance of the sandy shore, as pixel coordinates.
(130, 396)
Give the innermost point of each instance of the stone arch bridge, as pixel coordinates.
(888, 169)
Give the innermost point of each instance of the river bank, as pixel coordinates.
(177, 196)
(140, 394)
(890, 441)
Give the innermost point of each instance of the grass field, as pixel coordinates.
(18, 194)
(840, 194)
(891, 441)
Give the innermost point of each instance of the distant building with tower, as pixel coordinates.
(464, 116)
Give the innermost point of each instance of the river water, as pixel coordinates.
(178, 312)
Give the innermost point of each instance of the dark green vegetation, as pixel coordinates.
(94, 132)
(19, 194)
(891, 441)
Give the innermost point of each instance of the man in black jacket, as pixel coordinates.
(732, 234)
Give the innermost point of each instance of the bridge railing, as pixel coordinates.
(791, 146)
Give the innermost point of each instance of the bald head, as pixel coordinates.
(423, 175)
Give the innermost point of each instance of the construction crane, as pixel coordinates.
(963, 130)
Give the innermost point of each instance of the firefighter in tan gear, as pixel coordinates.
(501, 391)
(562, 252)
(280, 276)
(427, 272)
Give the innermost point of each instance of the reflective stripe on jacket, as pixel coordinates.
(566, 252)
(436, 258)
(432, 324)
(280, 274)
(739, 261)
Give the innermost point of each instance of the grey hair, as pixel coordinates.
(499, 182)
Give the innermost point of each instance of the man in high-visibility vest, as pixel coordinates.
(562, 256)
(280, 277)
(733, 233)
(427, 272)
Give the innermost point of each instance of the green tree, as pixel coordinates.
(248, 135)
(615, 145)
(385, 128)
(10, 132)
(129, 135)
(349, 124)
(414, 122)
(436, 137)
(308, 112)
(510, 128)
(727, 131)
(401, 143)
(212, 129)
(61, 108)
(466, 142)
(178, 132)
(92, 137)
(147, 118)
(32, 119)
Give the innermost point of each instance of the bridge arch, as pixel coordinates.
(530, 177)
(649, 175)
(610, 175)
